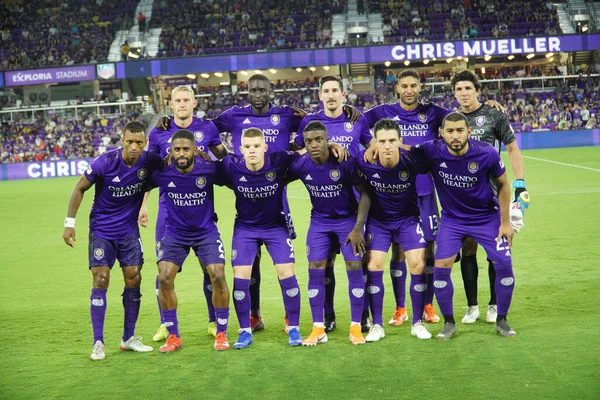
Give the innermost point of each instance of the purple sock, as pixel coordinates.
(444, 290)
(162, 319)
(97, 313)
(222, 319)
(398, 274)
(208, 292)
(356, 291)
(367, 301)
(429, 277)
(375, 292)
(171, 321)
(131, 306)
(505, 285)
(418, 290)
(241, 301)
(316, 293)
(291, 299)
(329, 290)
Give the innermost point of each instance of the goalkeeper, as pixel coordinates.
(491, 126)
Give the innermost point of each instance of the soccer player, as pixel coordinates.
(491, 126)
(257, 181)
(462, 169)
(206, 137)
(350, 136)
(187, 190)
(394, 218)
(335, 216)
(120, 177)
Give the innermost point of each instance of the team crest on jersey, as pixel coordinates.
(233, 254)
(201, 182)
(348, 127)
(157, 245)
(199, 136)
(142, 174)
(480, 120)
(275, 119)
(473, 167)
(369, 237)
(334, 175)
(270, 176)
(98, 254)
(422, 117)
(403, 175)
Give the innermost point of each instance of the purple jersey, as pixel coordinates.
(189, 199)
(340, 130)
(277, 125)
(395, 194)
(463, 183)
(259, 194)
(204, 131)
(329, 185)
(417, 126)
(119, 192)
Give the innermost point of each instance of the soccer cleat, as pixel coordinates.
(212, 329)
(256, 323)
(447, 332)
(356, 336)
(365, 324)
(420, 330)
(134, 343)
(492, 313)
(317, 335)
(97, 351)
(429, 314)
(399, 316)
(221, 342)
(286, 325)
(173, 343)
(505, 330)
(161, 334)
(329, 322)
(471, 316)
(294, 337)
(243, 341)
(376, 333)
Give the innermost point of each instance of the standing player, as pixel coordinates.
(462, 169)
(187, 187)
(394, 218)
(257, 181)
(491, 126)
(120, 178)
(351, 136)
(207, 137)
(335, 216)
(418, 122)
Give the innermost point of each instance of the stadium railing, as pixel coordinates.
(31, 113)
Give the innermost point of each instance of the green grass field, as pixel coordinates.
(46, 338)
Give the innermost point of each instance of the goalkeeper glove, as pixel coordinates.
(521, 194)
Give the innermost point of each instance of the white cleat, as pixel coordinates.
(97, 351)
(471, 316)
(420, 330)
(376, 333)
(492, 313)
(134, 343)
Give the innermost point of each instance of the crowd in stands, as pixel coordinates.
(40, 33)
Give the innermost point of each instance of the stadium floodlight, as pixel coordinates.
(219, 74)
(425, 61)
(584, 29)
(487, 57)
(530, 56)
(244, 73)
(224, 83)
(257, 71)
(326, 67)
(551, 59)
(449, 60)
(548, 55)
(511, 57)
(205, 75)
(434, 59)
(387, 63)
(191, 76)
(312, 69)
(459, 58)
(273, 70)
(407, 63)
(466, 59)
(483, 70)
(299, 69)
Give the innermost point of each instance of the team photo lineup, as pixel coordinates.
(374, 181)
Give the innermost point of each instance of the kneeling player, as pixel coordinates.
(187, 185)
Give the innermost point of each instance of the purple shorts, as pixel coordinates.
(324, 233)
(453, 232)
(103, 252)
(430, 217)
(246, 241)
(407, 232)
(208, 249)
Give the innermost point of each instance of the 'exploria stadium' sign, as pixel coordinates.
(76, 73)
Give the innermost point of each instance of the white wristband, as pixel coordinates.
(69, 222)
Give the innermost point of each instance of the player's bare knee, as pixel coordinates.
(132, 276)
(100, 278)
(217, 276)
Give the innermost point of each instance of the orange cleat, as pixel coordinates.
(256, 324)
(286, 328)
(399, 317)
(221, 342)
(429, 314)
(173, 343)
(317, 336)
(356, 336)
